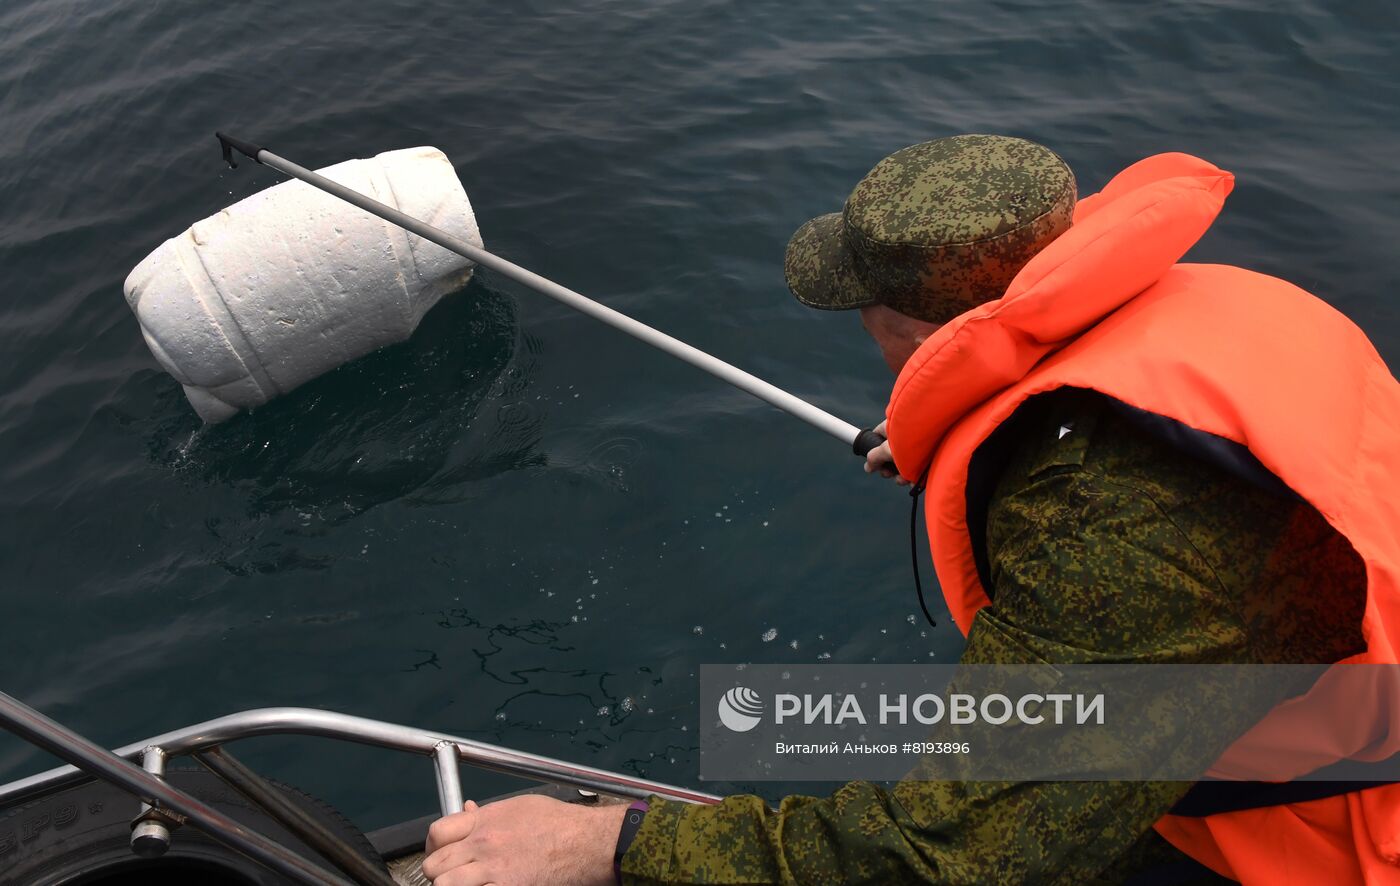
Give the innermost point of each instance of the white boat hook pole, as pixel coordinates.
(860, 441)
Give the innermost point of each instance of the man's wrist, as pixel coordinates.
(603, 842)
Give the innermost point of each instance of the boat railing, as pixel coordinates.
(205, 742)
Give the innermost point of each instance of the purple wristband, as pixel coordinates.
(631, 822)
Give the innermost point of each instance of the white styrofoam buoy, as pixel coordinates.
(291, 282)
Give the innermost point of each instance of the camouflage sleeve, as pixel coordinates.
(973, 833)
(857, 835)
(1103, 546)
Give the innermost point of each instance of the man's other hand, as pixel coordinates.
(524, 841)
(881, 461)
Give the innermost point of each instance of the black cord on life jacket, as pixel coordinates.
(914, 492)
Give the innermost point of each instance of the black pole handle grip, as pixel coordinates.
(231, 144)
(868, 440)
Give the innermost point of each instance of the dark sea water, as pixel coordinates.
(520, 526)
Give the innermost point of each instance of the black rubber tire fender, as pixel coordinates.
(80, 836)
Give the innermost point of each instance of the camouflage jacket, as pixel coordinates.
(1105, 544)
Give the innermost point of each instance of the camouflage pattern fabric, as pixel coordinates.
(1104, 545)
(935, 229)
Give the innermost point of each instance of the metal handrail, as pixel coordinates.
(54, 737)
(377, 733)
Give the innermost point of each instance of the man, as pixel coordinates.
(1127, 460)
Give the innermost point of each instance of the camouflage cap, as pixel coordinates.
(935, 229)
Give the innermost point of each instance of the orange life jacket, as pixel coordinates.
(1221, 350)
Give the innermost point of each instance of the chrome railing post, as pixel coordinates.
(150, 832)
(449, 777)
